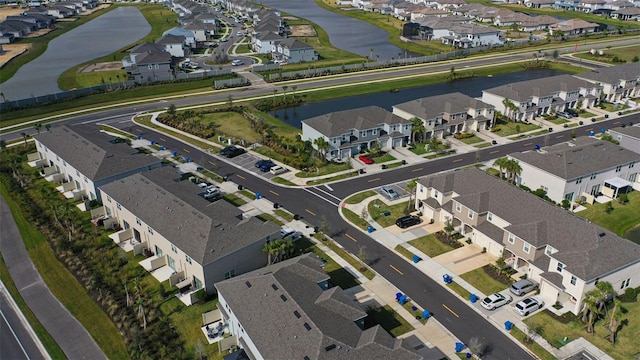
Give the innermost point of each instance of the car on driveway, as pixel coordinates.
(365, 159)
(563, 115)
(496, 300)
(212, 192)
(526, 306)
(522, 287)
(389, 192)
(407, 221)
(572, 112)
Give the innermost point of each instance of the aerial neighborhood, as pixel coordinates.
(234, 190)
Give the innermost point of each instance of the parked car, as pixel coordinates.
(389, 192)
(522, 287)
(289, 233)
(526, 306)
(237, 62)
(267, 166)
(365, 159)
(572, 112)
(496, 300)
(277, 170)
(563, 115)
(232, 151)
(212, 192)
(407, 221)
(261, 162)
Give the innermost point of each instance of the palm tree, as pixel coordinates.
(417, 128)
(371, 53)
(323, 146)
(501, 163)
(449, 228)
(274, 95)
(269, 248)
(284, 90)
(48, 127)
(614, 320)
(37, 126)
(25, 137)
(589, 308)
(3, 144)
(294, 88)
(411, 188)
(510, 108)
(514, 169)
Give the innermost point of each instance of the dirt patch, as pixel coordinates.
(104, 66)
(11, 51)
(39, 33)
(97, 8)
(9, 11)
(302, 30)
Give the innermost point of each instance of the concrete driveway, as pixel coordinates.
(465, 259)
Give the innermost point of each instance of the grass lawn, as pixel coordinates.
(483, 145)
(390, 320)
(283, 181)
(493, 171)
(558, 121)
(404, 252)
(231, 124)
(352, 260)
(508, 129)
(376, 207)
(383, 159)
(614, 107)
(459, 290)
(541, 132)
(483, 282)
(284, 214)
(355, 218)
(234, 200)
(621, 219)
(333, 178)
(269, 217)
(339, 276)
(624, 53)
(627, 345)
(430, 246)
(66, 288)
(359, 197)
(586, 114)
(417, 313)
(471, 140)
(540, 352)
(324, 170)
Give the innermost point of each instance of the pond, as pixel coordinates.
(633, 234)
(471, 87)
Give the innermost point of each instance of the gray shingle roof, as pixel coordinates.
(205, 231)
(339, 122)
(92, 152)
(433, 106)
(294, 44)
(632, 131)
(587, 250)
(580, 157)
(524, 90)
(613, 74)
(323, 318)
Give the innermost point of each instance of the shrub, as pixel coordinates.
(495, 129)
(630, 295)
(565, 204)
(463, 135)
(623, 198)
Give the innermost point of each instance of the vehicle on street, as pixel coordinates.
(237, 62)
(267, 166)
(365, 159)
(522, 287)
(277, 170)
(407, 221)
(232, 151)
(495, 301)
(389, 192)
(526, 306)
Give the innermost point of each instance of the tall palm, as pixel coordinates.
(417, 128)
(514, 169)
(590, 308)
(411, 188)
(284, 90)
(323, 146)
(614, 320)
(501, 163)
(37, 126)
(294, 88)
(25, 136)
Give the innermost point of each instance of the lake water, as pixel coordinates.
(471, 87)
(345, 33)
(97, 38)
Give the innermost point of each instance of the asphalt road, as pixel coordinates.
(17, 344)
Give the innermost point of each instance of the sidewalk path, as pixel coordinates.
(74, 340)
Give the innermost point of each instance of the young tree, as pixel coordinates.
(411, 188)
(449, 228)
(417, 128)
(25, 137)
(172, 111)
(324, 227)
(363, 256)
(284, 90)
(38, 127)
(323, 146)
(614, 320)
(294, 88)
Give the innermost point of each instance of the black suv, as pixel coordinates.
(232, 151)
(407, 221)
(572, 112)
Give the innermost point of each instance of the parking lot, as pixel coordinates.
(247, 162)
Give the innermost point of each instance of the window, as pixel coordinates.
(435, 193)
(85, 179)
(512, 239)
(631, 165)
(573, 280)
(229, 274)
(138, 221)
(77, 173)
(149, 66)
(618, 168)
(625, 283)
(157, 66)
(458, 207)
(544, 188)
(188, 260)
(150, 230)
(489, 216)
(375, 131)
(593, 176)
(633, 177)
(526, 248)
(471, 214)
(363, 133)
(560, 267)
(579, 180)
(118, 206)
(108, 198)
(174, 248)
(569, 196)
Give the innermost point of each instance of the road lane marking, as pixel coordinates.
(274, 193)
(494, 151)
(559, 136)
(396, 269)
(161, 139)
(310, 212)
(617, 122)
(457, 160)
(528, 144)
(186, 150)
(328, 187)
(416, 170)
(322, 197)
(212, 163)
(240, 176)
(327, 193)
(351, 237)
(451, 311)
(372, 180)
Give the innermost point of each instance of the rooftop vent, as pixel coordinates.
(602, 234)
(284, 298)
(248, 284)
(274, 286)
(330, 347)
(307, 326)
(297, 314)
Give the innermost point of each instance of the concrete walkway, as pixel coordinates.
(74, 340)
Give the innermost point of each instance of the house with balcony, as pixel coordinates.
(149, 62)
(354, 131)
(618, 82)
(565, 254)
(539, 4)
(188, 240)
(628, 137)
(81, 159)
(292, 51)
(448, 114)
(542, 96)
(174, 45)
(306, 319)
(264, 42)
(466, 36)
(581, 169)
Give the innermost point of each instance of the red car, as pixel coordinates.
(365, 159)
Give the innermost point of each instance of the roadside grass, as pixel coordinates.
(558, 121)
(586, 114)
(621, 219)
(430, 246)
(471, 140)
(483, 282)
(493, 171)
(388, 319)
(351, 259)
(234, 200)
(626, 347)
(146, 121)
(333, 178)
(509, 128)
(359, 197)
(283, 181)
(482, 145)
(114, 130)
(624, 53)
(417, 313)
(536, 348)
(339, 275)
(324, 170)
(394, 165)
(538, 133)
(355, 219)
(459, 290)
(614, 107)
(404, 252)
(376, 207)
(231, 125)
(443, 154)
(248, 194)
(269, 217)
(284, 214)
(47, 340)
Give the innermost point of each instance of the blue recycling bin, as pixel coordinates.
(139, 136)
(468, 355)
(537, 147)
(152, 141)
(403, 300)
(175, 153)
(447, 279)
(426, 314)
(370, 229)
(187, 160)
(398, 296)
(162, 147)
(508, 325)
(459, 346)
(592, 133)
(416, 258)
(473, 298)
(258, 196)
(603, 130)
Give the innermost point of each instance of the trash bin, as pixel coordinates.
(426, 314)
(403, 299)
(398, 296)
(473, 298)
(416, 258)
(447, 279)
(370, 229)
(139, 136)
(508, 325)
(258, 196)
(459, 346)
(186, 159)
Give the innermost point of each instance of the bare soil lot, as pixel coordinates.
(11, 51)
(105, 66)
(302, 30)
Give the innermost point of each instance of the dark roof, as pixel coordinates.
(631, 131)
(337, 123)
(171, 39)
(587, 250)
(294, 44)
(93, 153)
(431, 107)
(580, 157)
(205, 231)
(613, 74)
(524, 90)
(302, 319)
